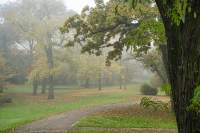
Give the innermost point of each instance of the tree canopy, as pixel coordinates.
(116, 27)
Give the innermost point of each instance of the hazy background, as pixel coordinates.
(75, 5)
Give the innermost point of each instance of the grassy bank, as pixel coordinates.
(26, 108)
(126, 118)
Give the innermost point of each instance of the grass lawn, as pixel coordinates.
(126, 122)
(26, 108)
(128, 117)
(92, 132)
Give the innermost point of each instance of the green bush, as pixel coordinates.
(5, 99)
(195, 102)
(166, 88)
(148, 90)
(148, 103)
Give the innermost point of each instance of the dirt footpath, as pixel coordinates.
(62, 122)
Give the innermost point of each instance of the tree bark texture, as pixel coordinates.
(183, 50)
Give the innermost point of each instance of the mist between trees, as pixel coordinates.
(35, 52)
(44, 44)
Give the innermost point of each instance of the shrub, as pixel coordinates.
(166, 88)
(4, 100)
(148, 90)
(148, 103)
(195, 102)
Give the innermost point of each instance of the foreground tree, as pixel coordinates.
(181, 22)
(182, 26)
(181, 19)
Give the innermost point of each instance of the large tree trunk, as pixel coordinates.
(183, 44)
(184, 65)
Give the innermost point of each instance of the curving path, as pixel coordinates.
(62, 122)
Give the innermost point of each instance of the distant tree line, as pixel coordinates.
(33, 51)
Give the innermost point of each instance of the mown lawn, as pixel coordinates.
(92, 132)
(128, 117)
(126, 122)
(26, 108)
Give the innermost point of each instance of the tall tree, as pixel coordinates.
(4, 73)
(181, 20)
(37, 22)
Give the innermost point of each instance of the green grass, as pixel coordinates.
(91, 132)
(123, 119)
(125, 122)
(21, 111)
(132, 116)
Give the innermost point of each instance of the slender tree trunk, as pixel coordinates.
(51, 88)
(35, 86)
(183, 44)
(43, 90)
(120, 82)
(1, 86)
(87, 83)
(43, 86)
(126, 77)
(125, 86)
(31, 51)
(49, 53)
(120, 74)
(106, 80)
(99, 82)
(163, 49)
(160, 74)
(1, 89)
(100, 75)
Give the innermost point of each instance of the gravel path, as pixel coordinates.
(62, 122)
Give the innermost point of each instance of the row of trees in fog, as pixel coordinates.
(31, 44)
(33, 50)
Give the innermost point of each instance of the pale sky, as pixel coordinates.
(76, 5)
